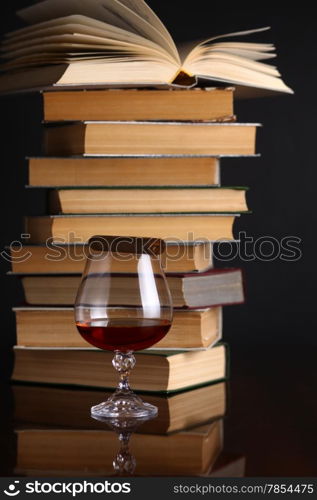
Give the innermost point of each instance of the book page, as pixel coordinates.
(50, 9)
(84, 43)
(237, 74)
(233, 62)
(213, 56)
(145, 28)
(109, 11)
(64, 58)
(74, 30)
(145, 11)
(186, 48)
(240, 49)
(76, 22)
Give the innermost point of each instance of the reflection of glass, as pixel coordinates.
(37, 405)
(189, 452)
(123, 304)
(124, 462)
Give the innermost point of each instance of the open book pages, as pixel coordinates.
(123, 42)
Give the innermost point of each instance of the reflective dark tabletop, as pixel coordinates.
(260, 423)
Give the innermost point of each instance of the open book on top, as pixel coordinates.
(123, 42)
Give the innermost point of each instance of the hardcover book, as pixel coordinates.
(55, 327)
(150, 138)
(170, 227)
(213, 104)
(155, 371)
(68, 259)
(190, 290)
(148, 199)
(124, 171)
(124, 43)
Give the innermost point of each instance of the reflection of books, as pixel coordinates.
(56, 406)
(107, 42)
(155, 370)
(73, 452)
(55, 327)
(210, 288)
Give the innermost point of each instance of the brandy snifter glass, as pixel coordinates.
(123, 305)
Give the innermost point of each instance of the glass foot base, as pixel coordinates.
(124, 405)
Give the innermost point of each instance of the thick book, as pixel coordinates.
(55, 327)
(214, 104)
(124, 43)
(63, 258)
(141, 138)
(155, 371)
(69, 452)
(169, 227)
(148, 199)
(36, 405)
(190, 290)
(123, 171)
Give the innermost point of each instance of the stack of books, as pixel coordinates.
(138, 187)
(127, 151)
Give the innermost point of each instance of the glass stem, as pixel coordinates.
(124, 362)
(124, 463)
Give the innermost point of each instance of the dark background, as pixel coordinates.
(281, 298)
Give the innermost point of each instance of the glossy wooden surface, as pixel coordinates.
(271, 418)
